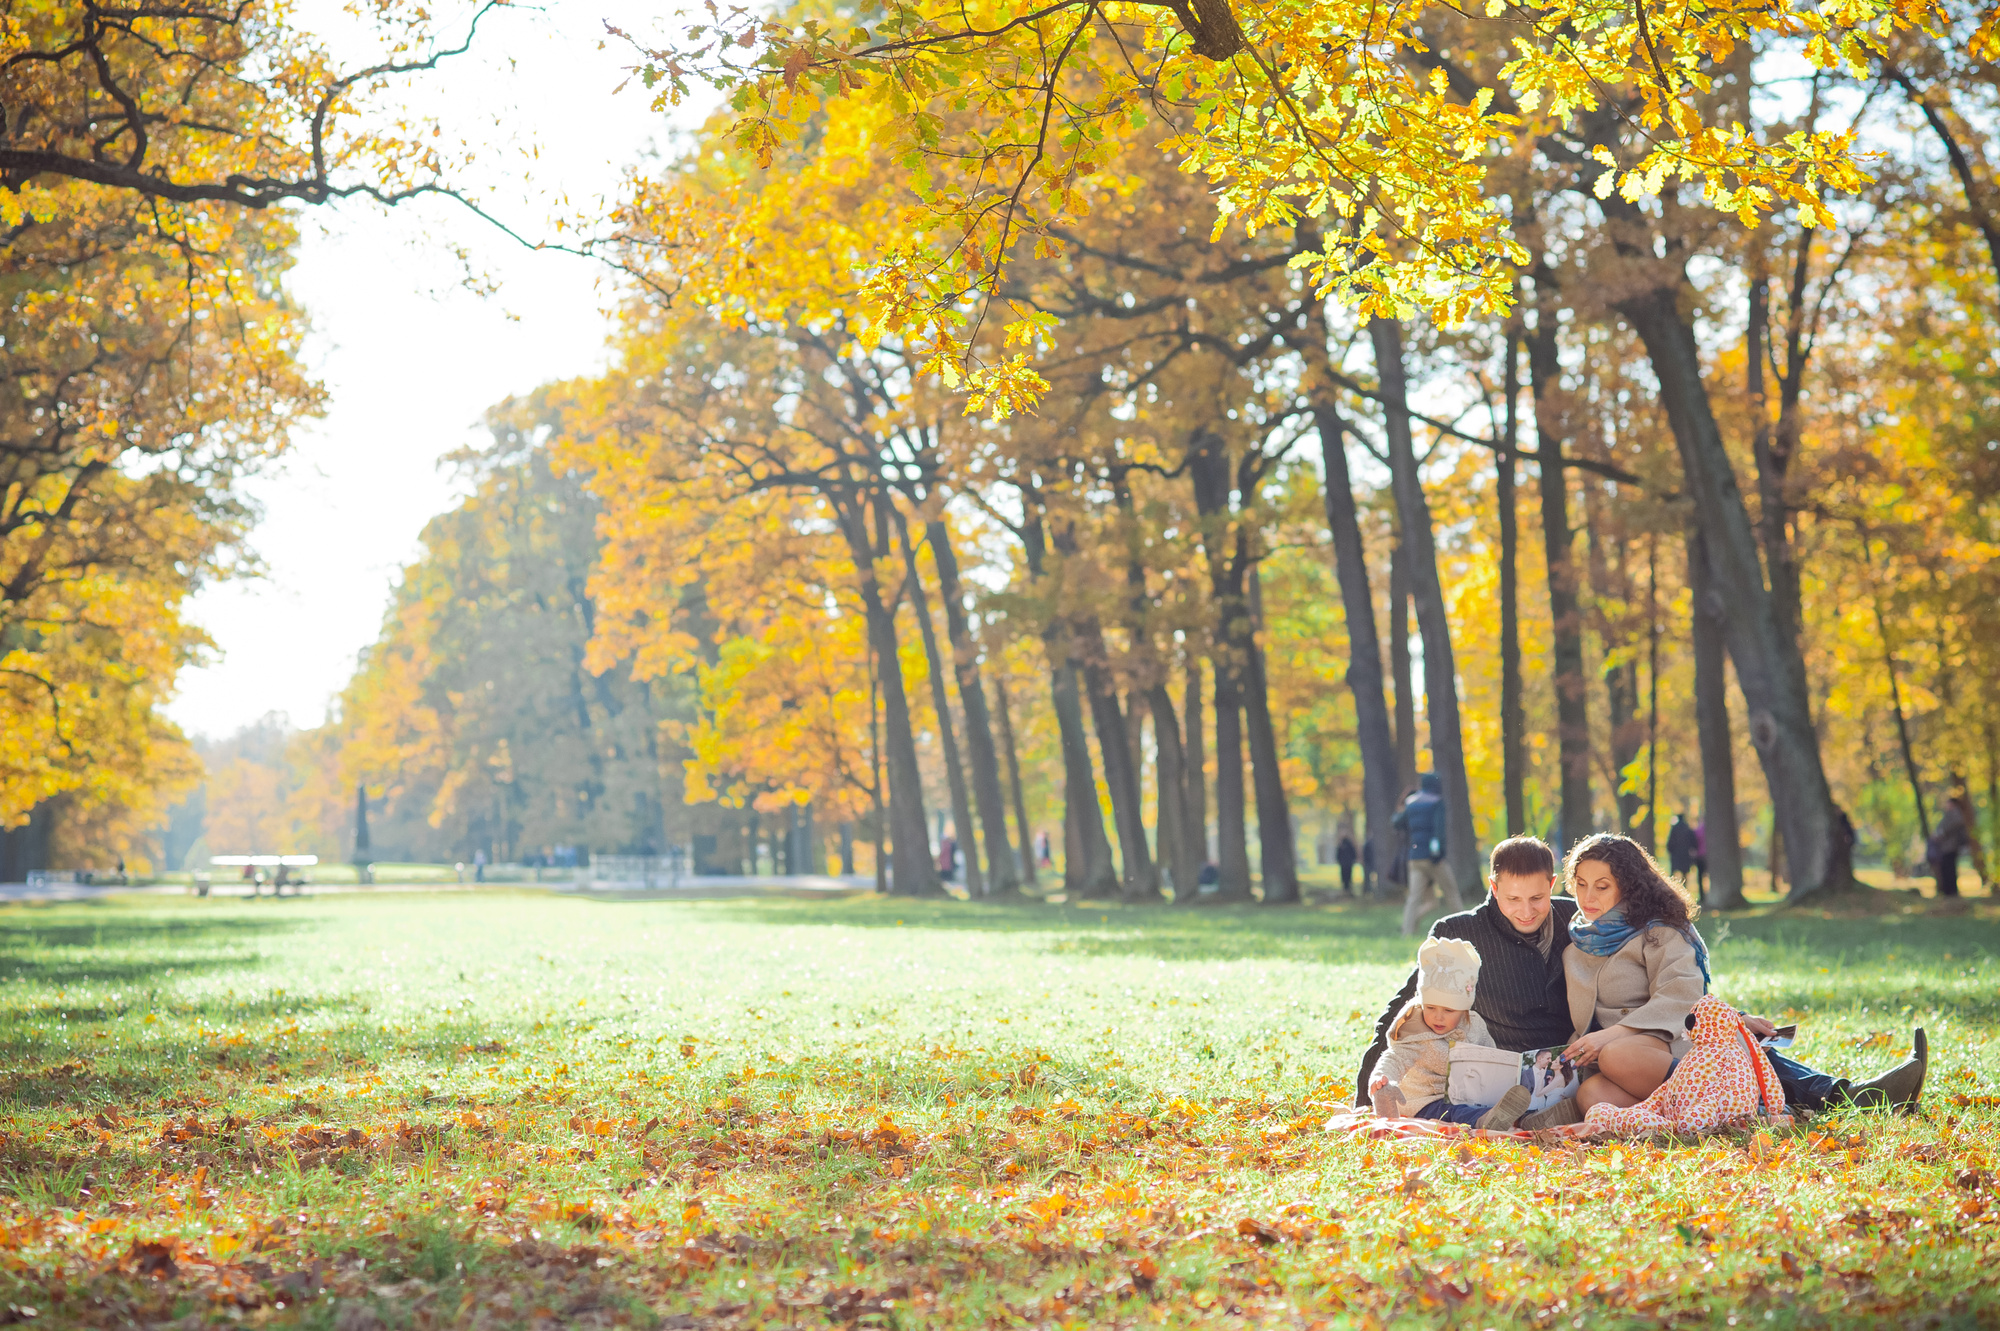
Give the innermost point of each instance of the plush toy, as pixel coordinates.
(1724, 1079)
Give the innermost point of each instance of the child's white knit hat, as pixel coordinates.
(1447, 973)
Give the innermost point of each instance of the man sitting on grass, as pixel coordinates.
(1521, 931)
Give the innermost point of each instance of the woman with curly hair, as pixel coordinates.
(1635, 967)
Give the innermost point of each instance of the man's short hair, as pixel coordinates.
(1524, 855)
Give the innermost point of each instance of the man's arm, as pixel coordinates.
(1396, 1004)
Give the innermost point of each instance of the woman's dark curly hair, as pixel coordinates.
(1644, 892)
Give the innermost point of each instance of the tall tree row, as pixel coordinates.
(1133, 530)
(1036, 498)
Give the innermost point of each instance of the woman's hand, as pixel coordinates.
(1585, 1050)
(1761, 1027)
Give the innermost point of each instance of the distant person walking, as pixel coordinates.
(1427, 869)
(1954, 837)
(1681, 845)
(1345, 855)
(1701, 858)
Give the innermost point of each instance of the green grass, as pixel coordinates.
(507, 1109)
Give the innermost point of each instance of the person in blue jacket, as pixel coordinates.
(1427, 869)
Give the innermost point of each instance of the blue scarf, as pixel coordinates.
(1611, 932)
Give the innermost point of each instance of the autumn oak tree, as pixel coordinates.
(151, 349)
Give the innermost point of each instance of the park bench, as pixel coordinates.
(253, 867)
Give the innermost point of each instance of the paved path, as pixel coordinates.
(65, 891)
(712, 887)
(814, 886)
(77, 892)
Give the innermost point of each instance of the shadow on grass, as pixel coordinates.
(60, 1053)
(119, 947)
(1338, 933)
(1865, 937)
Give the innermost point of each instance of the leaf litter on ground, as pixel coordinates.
(505, 1110)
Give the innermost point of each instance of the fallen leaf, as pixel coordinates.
(153, 1259)
(1250, 1227)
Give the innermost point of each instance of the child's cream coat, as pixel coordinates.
(1417, 1062)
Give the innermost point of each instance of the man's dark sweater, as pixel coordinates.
(1522, 996)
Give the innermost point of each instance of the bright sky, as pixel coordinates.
(412, 359)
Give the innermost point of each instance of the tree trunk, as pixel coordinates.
(961, 806)
(1772, 449)
(1088, 872)
(1769, 667)
(1127, 812)
(913, 872)
(1896, 699)
(1121, 776)
(1194, 726)
(1513, 719)
(1277, 853)
(1397, 841)
(1628, 734)
(1399, 669)
(1611, 586)
(1718, 750)
(879, 815)
(1651, 824)
(1232, 834)
(1440, 664)
(1076, 856)
(1030, 874)
(1150, 689)
(1211, 488)
(1178, 843)
(1133, 707)
(1566, 638)
(1135, 734)
(1992, 787)
(364, 850)
(805, 840)
(1379, 771)
(1001, 875)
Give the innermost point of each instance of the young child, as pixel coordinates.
(1412, 1076)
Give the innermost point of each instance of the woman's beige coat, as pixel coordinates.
(1650, 984)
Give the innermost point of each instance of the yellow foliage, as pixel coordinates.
(141, 383)
(1347, 121)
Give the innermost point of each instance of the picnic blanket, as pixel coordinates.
(1374, 1127)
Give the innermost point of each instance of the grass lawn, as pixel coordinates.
(501, 1108)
